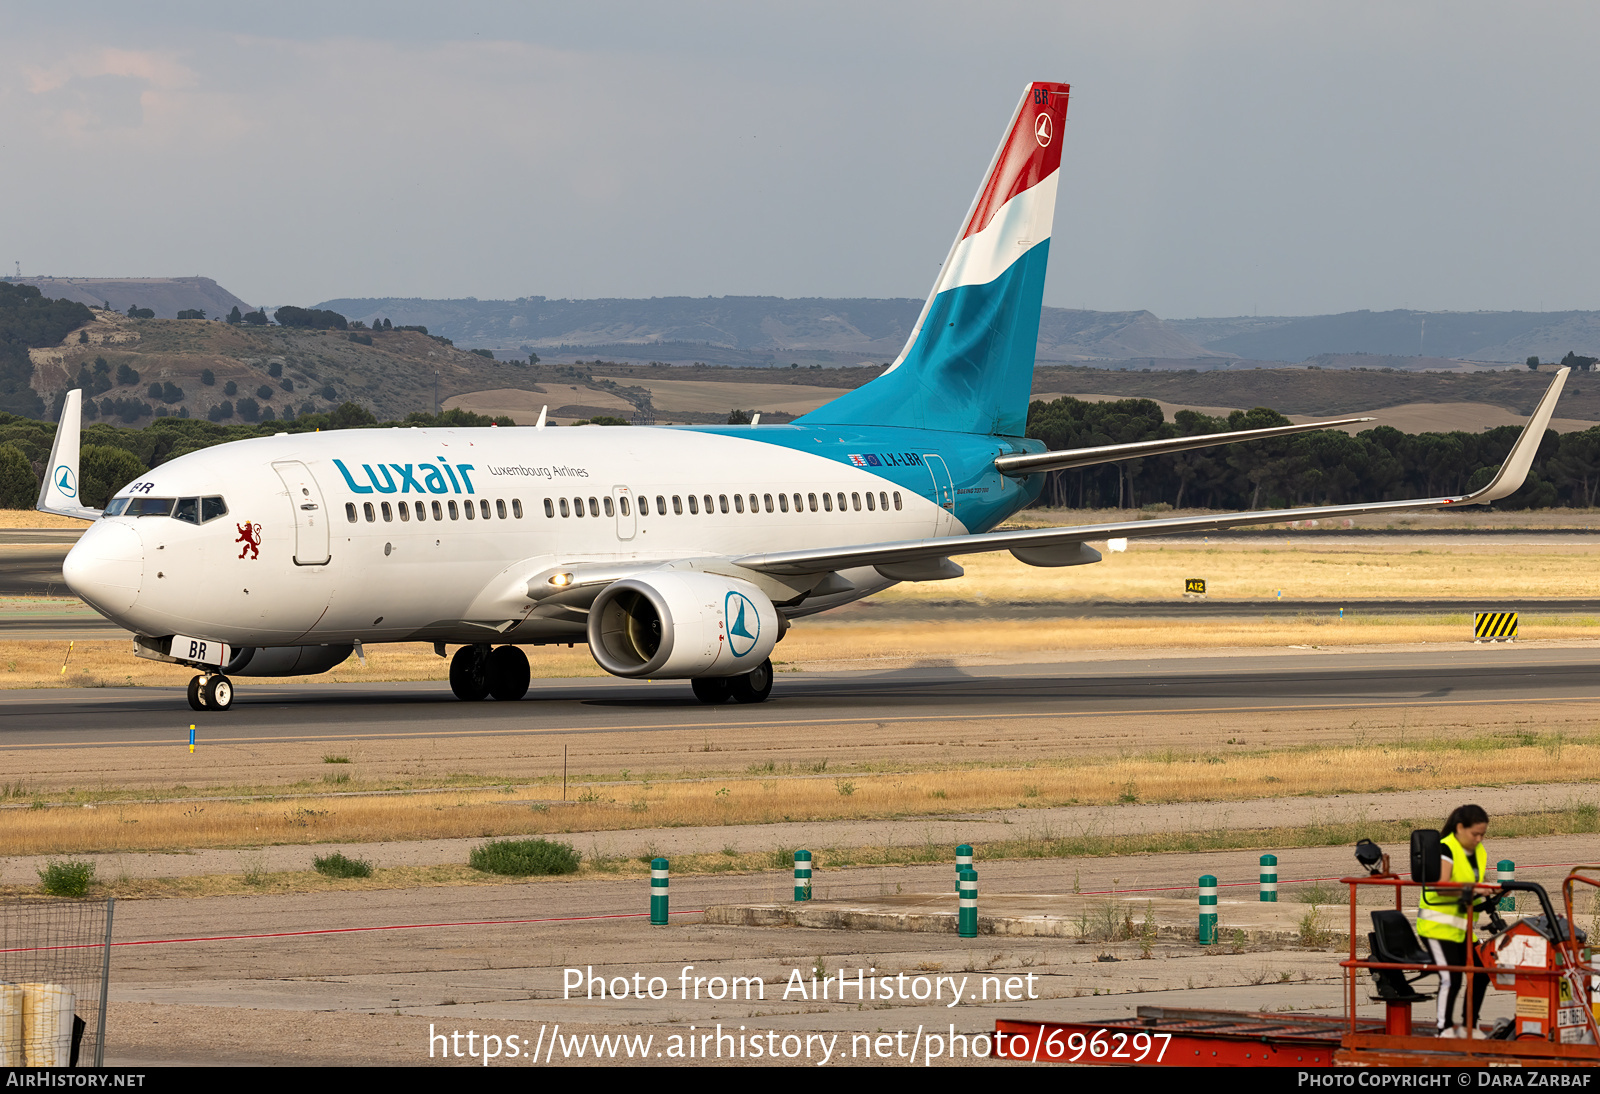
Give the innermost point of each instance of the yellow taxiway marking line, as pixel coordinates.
(891, 719)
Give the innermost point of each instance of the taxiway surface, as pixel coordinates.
(1248, 687)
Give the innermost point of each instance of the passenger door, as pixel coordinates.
(311, 533)
(944, 494)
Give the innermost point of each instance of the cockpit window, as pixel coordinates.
(189, 510)
(149, 507)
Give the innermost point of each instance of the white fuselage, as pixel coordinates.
(315, 548)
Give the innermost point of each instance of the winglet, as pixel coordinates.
(542, 412)
(59, 492)
(1514, 471)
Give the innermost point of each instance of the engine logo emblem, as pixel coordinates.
(744, 623)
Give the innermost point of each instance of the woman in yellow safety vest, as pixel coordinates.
(1442, 914)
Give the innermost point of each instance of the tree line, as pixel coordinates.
(1326, 467)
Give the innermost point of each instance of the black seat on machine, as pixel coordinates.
(1393, 940)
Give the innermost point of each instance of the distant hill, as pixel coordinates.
(1498, 336)
(166, 296)
(746, 330)
(302, 370)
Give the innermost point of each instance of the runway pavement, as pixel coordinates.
(1310, 681)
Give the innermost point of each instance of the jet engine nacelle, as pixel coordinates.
(675, 625)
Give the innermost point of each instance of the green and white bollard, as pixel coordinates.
(1505, 871)
(1208, 910)
(658, 892)
(967, 914)
(802, 875)
(963, 859)
(1269, 879)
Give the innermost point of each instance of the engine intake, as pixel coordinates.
(678, 625)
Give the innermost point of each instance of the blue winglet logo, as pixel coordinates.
(66, 482)
(745, 626)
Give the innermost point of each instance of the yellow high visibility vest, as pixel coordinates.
(1439, 915)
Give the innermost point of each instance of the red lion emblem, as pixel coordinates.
(250, 536)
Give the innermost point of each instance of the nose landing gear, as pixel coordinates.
(210, 692)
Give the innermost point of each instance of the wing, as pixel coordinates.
(1074, 458)
(924, 559)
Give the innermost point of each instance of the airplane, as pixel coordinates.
(673, 553)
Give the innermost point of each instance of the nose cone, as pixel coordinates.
(106, 566)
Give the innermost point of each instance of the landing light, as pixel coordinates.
(559, 580)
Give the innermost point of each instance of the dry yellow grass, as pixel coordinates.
(1152, 571)
(29, 518)
(769, 796)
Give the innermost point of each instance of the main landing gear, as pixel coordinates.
(212, 691)
(752, 687)
(477, 672)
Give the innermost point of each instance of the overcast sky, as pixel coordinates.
(1220, 157)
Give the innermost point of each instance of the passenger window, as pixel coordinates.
(405, 511)
(563, 506)
(827, 503)
(350, 511)
(810, 497)
(883, 501)
(855, 501)
(483, 508)
(783, 503)
(897, 500)
(871, 501)
(607, 501)
(212, 508)
(422, 511)
(841, 501)
(677, 504)
(623, 501)
(798, 508)
(766, 498)
(694, 504)
(577, 507)
(755, 504)
(388, 512)
(499, 508)
(455, 513)
(594, 508)
(187, 510)
(708, 505)
(549, 508)
(472, 510)
(366, 509)
(438, 510)
(723, 498)
(661, 506)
